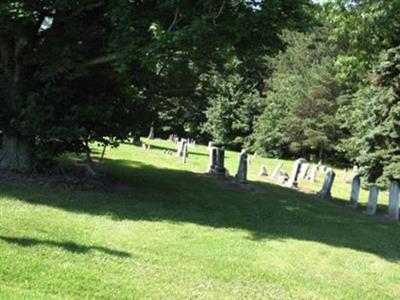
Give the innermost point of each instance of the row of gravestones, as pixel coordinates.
(217, 159)
(394, 190)
(355, 190)
(299, 170)
(182, 147)
(175, 138)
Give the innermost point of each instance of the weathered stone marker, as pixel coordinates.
(327, 186)
(304, 170)
(220, 168)
(212, 159)
(181, 147)
(394, 191)
(185, 153)
(292, 182)
(313, 173)
(276, 170)
(372, 200)
(217, 161)
(241, 175)
(355, 191)
(263, 171)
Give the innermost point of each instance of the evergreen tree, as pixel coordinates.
(299, 116)
(380, 147)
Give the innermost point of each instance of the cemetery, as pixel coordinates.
(219, 149)
(170, 219)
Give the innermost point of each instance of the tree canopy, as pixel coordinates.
(283, 78)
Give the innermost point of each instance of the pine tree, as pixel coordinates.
(380, 147)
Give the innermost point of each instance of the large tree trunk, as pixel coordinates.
(17, 151)
(16, 154)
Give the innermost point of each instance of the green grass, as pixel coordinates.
(169, 232)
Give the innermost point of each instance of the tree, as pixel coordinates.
(58, 92)
(73, 72)
(299, 115)
(380, 144)
(233, 105)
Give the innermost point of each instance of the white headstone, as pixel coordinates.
(372, 200)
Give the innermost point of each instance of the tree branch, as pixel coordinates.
(220, 10)
(109, 58)
(175, 20)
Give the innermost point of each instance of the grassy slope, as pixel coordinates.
(171, 233)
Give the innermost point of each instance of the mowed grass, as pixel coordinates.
(168, 232)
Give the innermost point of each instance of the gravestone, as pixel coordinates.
(394, 191)
(185, 153)
(303, 170)
(181, 147)
(220, 167)
(263, 171)
(292, 182)
(372, 200)
(241, 175)
(276, 170)
(212, 163)
(313, 173)
(217, 161)
(355, 191)
(327, 186)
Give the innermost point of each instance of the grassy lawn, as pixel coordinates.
(171, 233)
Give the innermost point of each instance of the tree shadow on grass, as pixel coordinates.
(68, 246)
(277, 213)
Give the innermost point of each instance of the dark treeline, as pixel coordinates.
(282, 78)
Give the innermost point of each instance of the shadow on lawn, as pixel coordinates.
(177, 196)
(68, 246)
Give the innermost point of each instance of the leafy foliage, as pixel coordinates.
(233, 104)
